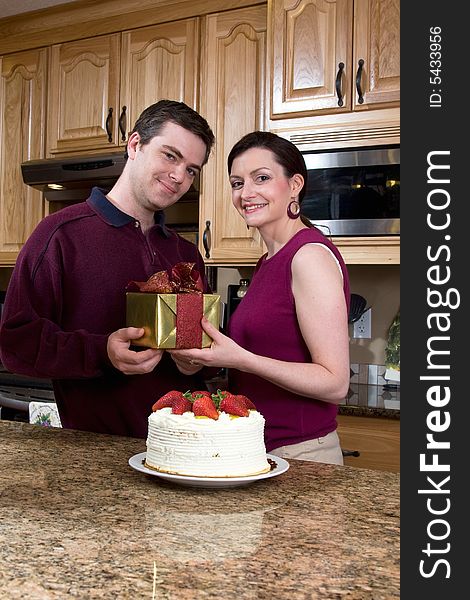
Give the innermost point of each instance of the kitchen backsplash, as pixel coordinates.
(368, 374)
(368, 387)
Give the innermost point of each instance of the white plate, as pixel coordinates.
(136, 462)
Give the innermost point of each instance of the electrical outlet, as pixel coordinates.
(362, 327)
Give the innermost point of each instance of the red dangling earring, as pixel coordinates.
(290, 213)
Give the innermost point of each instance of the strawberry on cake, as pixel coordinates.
(206, 435)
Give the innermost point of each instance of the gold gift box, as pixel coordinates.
(156, 313)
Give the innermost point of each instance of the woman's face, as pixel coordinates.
(260, 189)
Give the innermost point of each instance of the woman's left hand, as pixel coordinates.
(223, 352)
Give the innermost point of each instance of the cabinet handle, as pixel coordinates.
(206, 239)
(338, 84)
(122, 123)
(108, 124)
(355, 453)
(360, 97)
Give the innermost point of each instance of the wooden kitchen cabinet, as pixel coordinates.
(22, 108)
(233, 97)
(376, 42)
(99, 86)
(372, 250)
(314, 49)
(84, 94)
(156, 63)
(376, 438)
(333, 56)
(225, 61)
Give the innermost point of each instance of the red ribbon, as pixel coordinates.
(183, 277)
(189, 311)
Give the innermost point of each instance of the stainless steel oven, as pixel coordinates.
(16, 393)
(354, 192)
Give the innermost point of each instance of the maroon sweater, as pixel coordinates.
(265, 323)
(67, 294)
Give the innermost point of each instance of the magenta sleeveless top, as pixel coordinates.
(265, 323)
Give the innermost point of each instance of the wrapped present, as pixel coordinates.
(170, 306)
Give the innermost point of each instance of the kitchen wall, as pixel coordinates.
(379, 284)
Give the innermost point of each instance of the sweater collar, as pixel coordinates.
(112, 215)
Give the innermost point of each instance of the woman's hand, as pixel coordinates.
(126, 360)
(223, 352)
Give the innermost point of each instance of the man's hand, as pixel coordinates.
(185, 365)
(126, 360)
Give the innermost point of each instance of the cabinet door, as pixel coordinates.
(377, 44)
(376, 439)
(157, 62)
(84, 94)
(309, 41)
(233, 101)
(22, 109)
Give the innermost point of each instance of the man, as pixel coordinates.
(64, 312)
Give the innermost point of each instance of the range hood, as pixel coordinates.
(71, 179)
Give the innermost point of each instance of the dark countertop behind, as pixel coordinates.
(363, 400)
(366, 400)
(80, 523)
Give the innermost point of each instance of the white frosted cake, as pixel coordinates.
(186, 444)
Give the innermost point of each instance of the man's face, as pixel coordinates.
(164, 169)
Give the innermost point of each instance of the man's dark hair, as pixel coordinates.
(154, 117)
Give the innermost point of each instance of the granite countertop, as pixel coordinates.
(78, 522)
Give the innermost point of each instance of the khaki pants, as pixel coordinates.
(325, 449)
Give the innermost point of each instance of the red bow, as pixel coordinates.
(183, 277)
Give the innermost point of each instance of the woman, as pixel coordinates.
(288, 344)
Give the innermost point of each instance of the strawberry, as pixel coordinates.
(248, 403)
(234, 405)
(181, 405)
(203, 406)
(220, 395)
(199, 393)
(167, 400)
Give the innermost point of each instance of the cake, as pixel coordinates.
(203, 435)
